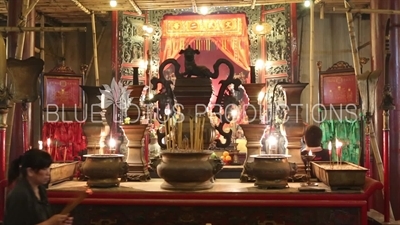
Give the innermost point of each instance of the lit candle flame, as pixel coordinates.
(310, 153)
(330, 146)
(260, 96)
(48, 142)
(40, 145)
(338, 144)
(112, 143)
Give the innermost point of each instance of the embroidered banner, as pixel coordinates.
(204, 26)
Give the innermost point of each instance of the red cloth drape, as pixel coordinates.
(227, 31)
(67, 140)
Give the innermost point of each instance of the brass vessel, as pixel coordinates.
(271, 171)
(187, 170)
(104, 170)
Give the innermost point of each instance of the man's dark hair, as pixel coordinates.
(313, 136)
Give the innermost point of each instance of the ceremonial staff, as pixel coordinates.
(386, 106)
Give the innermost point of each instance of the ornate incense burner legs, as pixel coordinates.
(308, 159)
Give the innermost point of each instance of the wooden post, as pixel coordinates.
(353, 40)
(44, 29)
(312, 65)
(42, 37)
(97, 45)
(94, 37)
(21, 35)
(368, 11)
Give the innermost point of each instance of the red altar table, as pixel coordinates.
(229, 202)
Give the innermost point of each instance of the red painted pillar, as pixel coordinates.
(394, 73)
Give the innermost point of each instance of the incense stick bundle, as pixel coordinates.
(202, 132)
(180, 133)
(68, 208)
(191, 133)
(173, 132)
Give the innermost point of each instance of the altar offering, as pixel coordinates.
(340, 176)
(62, 171)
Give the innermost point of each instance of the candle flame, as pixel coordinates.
(48, 142)
(310, 153)
(338, 144)
(40, 145)
(330, 146)
(112, 143)
(260, 96)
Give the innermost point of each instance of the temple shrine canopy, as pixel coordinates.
(270, 51)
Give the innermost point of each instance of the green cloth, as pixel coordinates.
(347, 132)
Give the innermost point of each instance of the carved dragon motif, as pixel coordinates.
(166, 97)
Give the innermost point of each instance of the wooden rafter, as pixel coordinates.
(82, 7)
(253, 4)
(26, 12)
(135, 6)
(76, 11)
(45, 29)
(194, 6)
(367, 11)
(6, 4)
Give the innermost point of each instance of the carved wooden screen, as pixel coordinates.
(131, 46)
(277, 46)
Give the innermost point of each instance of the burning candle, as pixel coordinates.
(310, 153)
(103, 99)
(40, 143)
(272, 144)
(49, 146)
(330, 152)
(339, 150)
(330, 148)
(112, 143)
(234, 113)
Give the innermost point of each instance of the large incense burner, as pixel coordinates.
(184, 164)
(187, 170)
(271, 170)
(104, 170)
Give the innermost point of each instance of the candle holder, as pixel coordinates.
(105, 131)
(235, 153)
(308, 158)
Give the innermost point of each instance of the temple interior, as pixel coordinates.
(195, 112)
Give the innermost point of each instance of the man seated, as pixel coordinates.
(312, 139)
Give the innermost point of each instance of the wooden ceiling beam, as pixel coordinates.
(366, 11)
(82, 7)
(135, 6)
(6, 4)
(253, 4)
(194, 6)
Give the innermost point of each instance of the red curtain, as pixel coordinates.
(227, 31)
(66, 140)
